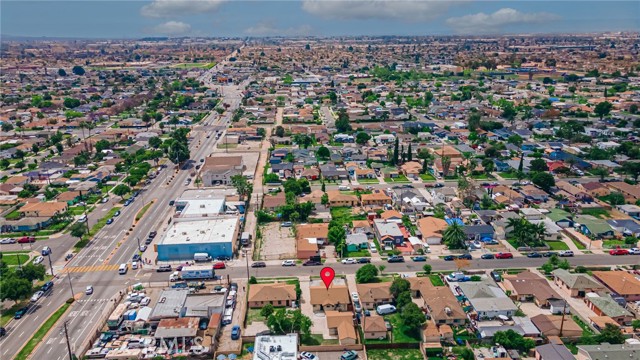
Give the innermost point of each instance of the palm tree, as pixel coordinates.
(454, 237)
(540, 231)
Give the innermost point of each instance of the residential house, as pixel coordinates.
(561, 218)
(487, 299)
(377, 198)
(336, 297)
(440, 303)
(479, 232)
(374, 294)
(388, 232)
(362, 227)
(391, 215)
(432, 229)
(310, 174)
(578, 285)
(553, 352)
(278, 294)
(626, 227)
(606, 306)
(43, 209)
(364, 173)
(340, 324)
(621, 283)
(70, 197)
(220, 170)
(374, 327)
(338, 199)
(411, 169)
(629, 209)
(357, 242)
(273, 202)
(531, 214)
(596, 189)
(551, 325)
(315, 197)
(631, 192)
(608, 351)
(533, 194)
(527, 286)
(594, 227)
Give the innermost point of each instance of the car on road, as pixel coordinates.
(153, 234)
(354, 296)
(395, 259)
(88, 290)
(305, 355)
(618, 251)
(8, 241)
(68, 257)
(349, 355)
(164, 268)
(27, 239)
(143, 248)
(634, 251)
(506, 255)
(311, 263)
(565, 253)
(116, 214)
(104, 200)
(45, 251)
(38, 260)
(48, 285)
(496, 276)
(289, 263)
(465, 257)
(219, 265)
(287, 224)
(235, 332)
(364, 261)
(20, 313)
(148, 241)
(487, 256)
(349, 261)
(534, 255)
(37, 295)
(419, 258)
(357, 307)
(127, 203)
(448, 258)
(172, 202)
(3, 331)
(549, 253)
(109, 221)
(258, 264)
(136, 257)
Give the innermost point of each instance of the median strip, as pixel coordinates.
(142, 211)
(41, 333)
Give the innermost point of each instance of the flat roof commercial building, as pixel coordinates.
(187, 236)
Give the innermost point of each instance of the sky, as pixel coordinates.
(234, 18)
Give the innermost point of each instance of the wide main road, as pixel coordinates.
(97, 264)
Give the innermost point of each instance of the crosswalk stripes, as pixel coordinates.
(92, 300)
(92, 268)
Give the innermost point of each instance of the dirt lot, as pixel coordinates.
(277, 242)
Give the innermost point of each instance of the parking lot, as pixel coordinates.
(277, 242)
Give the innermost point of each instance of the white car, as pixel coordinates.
(37, 296)
(305, 355)
(354, 296)
(634, 251)
(89, 290)
(38, 260)
(349, 261)
(8, 241)
(289, 263)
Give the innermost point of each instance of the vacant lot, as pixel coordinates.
(400, 354)
(277, 242)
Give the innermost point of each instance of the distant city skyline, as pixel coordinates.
(230, 18)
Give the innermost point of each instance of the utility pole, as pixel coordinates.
(85, 213)
(70, 286)
(564, 311)
(66, 335)
(50, 264)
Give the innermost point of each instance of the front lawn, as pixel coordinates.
(357, 254)
(317, 339)
(399, 354)
(508, 175)
(480, 176)
(578, 244)
(253, 315)
(557, 245)
(368, 181)
(400, 332)
(599, 213)
(427, 177)
(17, 258)
(436, 280)
(397, 179)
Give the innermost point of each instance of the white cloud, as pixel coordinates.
(172, 28)
(167, 8)
(406, 10)
(496, 22)
(269, 28)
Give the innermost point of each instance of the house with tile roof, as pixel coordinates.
(374, 294)
(374, 327)
(336, 297)
(621, 283)
(340, 324)
(606, 306)
(432, 229)
(278, 294)
(550, 325)
(528, 286)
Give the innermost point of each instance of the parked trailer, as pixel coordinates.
(197, 272)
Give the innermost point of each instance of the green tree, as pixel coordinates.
(323, 152)
(409, 153)
(178, 152)
(253, 280)
(14, 288)
(610, 334)
(362, 138)
(512, 340)
(32, 272)
(403, 299)
(78, 230)
(632, 169)
(398, 286)
(71, 103)
(78, 70)
(61, 72)
(426, 268)
(266, 310)
(243, 187)
(603, 109)
(155, 142)
(412, 317)
(601, 172)
(325, 199)
(367, 274)
(635, 324)
(121, 190)
(279, 131)
(6, 127)
(342, 124)
(454, 237)
(538, 165)
(474, 120)
(285, 321)
(396, 152)
(544, 180)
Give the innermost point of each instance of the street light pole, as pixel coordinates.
(66, 335)
(50, 264)
(70, 285)
(138, 240)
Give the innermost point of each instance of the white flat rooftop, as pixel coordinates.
(200, 207)
(204, 230)
(283, 347)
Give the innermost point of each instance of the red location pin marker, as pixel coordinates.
(327, 274)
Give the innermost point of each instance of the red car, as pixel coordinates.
(27, 239)
(504, 256)
(618, 251)
(219, 265)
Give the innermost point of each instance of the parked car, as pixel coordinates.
(287, 224)
(37, 295)
(448, 258)
(395, 259)
(68, 257)
(311, 263)
(45, 251)
(364, 261)
(618, 251)
(235, 332)
(549, 253)
(419, 258)
(487, 256)
(534, 255)
(258, 264)
(289, 263)
(148, 241)
(48, 285)
(38, 260)
(27, 239)
(109, 221)
(634, 251)
(465, 257)
(219, 265)
(354, 296)
(153, 234)
(305, 355)
(349, 355)
(349, 261)
(3, 331)
(565, 253)
(496, 277)
(136, 257)
(20, 313)
(117, 213)
(8, 241)
(504, 255)
(164, 268)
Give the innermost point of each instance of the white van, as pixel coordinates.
(82, 218)
(123, 269)
(134, 265)
(344, 188)
(385, 309)
(201, 257)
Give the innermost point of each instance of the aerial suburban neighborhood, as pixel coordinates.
(475, 197)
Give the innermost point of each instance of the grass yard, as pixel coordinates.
(578, 244)
(317, 339)
(614, 243)
(368, 181)
(77, 210)
(253, 315)
(506, 175)
(41, 332)
(400, 333)
(436, 280)
(397, 354)
(557, 245)
(480, 176)
(357, 254)
(14, 215)
(599, 213)
(397, 179)
(427, 177)
(194, 65)
(15, 258)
